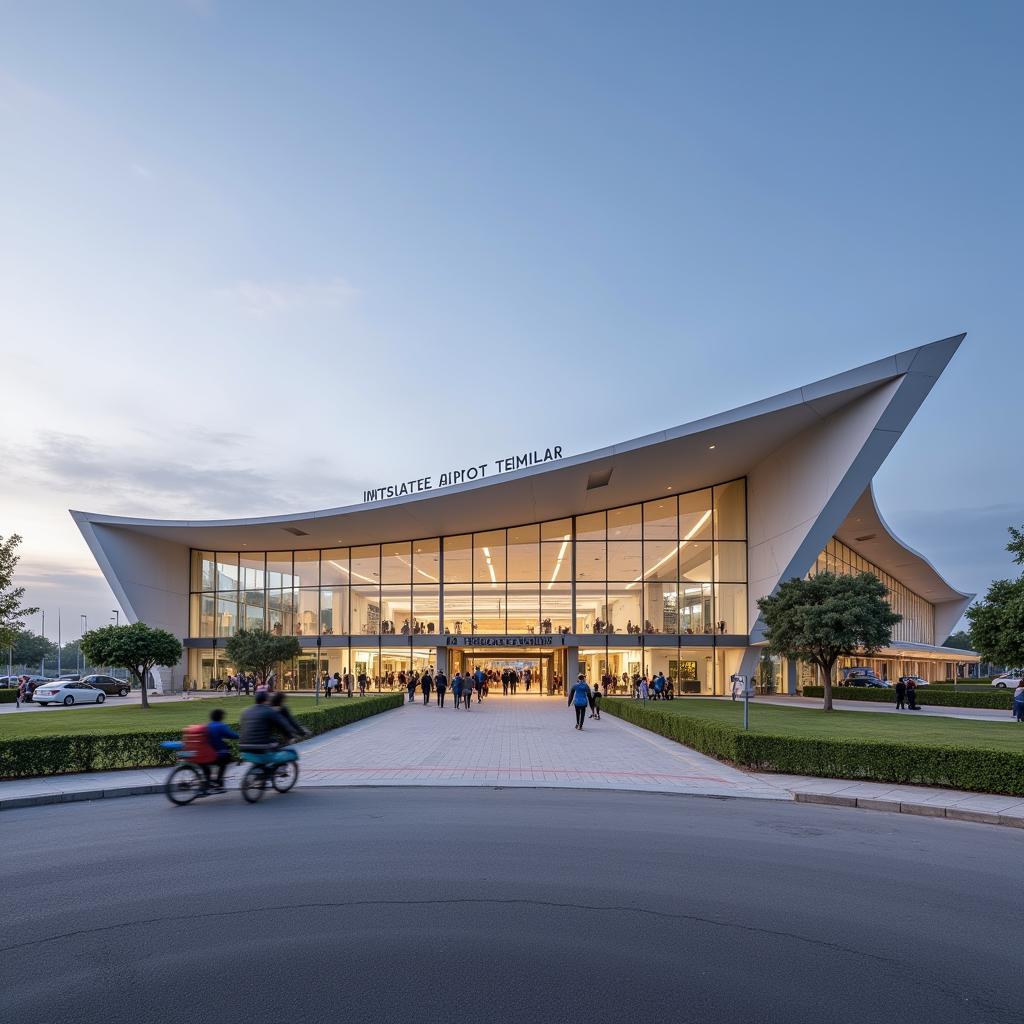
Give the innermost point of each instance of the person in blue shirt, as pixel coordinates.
(219, 732)
(579, 698)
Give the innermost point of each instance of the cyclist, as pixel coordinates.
(219, 732)
(297, 730)
(261, 724)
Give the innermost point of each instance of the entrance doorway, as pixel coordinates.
(541, 673)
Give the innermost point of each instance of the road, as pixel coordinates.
(403, 905)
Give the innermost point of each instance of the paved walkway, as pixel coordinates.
(935, 711)
(531, 742)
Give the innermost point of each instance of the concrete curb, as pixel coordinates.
(922, 810)
(85, 794)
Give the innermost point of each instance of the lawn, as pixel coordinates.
(133, 718)
(812, 722)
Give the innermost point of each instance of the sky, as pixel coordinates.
(256, 257)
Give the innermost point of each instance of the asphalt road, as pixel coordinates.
(504, 905)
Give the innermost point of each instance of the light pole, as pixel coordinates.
(83, 622)
(117, 617)
(42, 657)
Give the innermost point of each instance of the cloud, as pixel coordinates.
(265, 299)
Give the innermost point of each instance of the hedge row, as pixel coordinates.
(970, 768)
(8, 695)
(26, 757)
(999, 700)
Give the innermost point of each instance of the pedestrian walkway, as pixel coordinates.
(925, 710)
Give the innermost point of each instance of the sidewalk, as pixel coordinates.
(971, 714)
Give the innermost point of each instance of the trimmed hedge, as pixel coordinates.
(8, 695)
(994, 700)
(26, 757)
(956, 767)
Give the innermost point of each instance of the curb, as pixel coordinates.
(85, 794)
(922, 810)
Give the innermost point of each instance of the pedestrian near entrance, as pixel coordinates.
(912, 695)
(440, 686)
(504, 682)
(478, 684)
(901, 695)
(513, 680)
(457, 689)
(426, 685)
(579, 698)
(411, 687)
(645, 689)
(362, 684)
(597, 703)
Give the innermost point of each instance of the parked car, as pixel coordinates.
(109, 685)
(862, 677)
(918, 681)
(9, 681)
(1008, 679)
(68, 692)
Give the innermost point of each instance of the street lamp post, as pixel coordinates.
(42, 657)
(117, 617)
(83, 622)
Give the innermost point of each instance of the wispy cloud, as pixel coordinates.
(270, 298)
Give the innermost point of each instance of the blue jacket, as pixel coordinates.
(218, 733)
(580, 694)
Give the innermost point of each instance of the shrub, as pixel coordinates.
(8, 695)
(958, 767)
(90, 752)
(998, 700)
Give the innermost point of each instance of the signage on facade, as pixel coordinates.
(538, 640)
(451, 477)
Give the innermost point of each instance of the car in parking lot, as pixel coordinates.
(860, 676)
(109, 685)
(68, 692)
(918, 681)
(1007, 679)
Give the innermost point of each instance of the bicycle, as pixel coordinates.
(276, 768)
(187, 781)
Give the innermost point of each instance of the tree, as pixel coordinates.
(12, 614)
(997, 622)
(827, 617)
(961, 640)
(29, 648)
(136, 647)
(256, 650)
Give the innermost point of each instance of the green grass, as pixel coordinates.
(109, 721)
(816, 724)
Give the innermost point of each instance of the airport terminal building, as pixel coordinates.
(649, 555)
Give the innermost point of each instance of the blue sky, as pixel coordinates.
(258, 256)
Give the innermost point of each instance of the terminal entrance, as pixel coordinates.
(541, 673)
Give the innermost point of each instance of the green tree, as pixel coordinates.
(136, 647)
(30, 648)
(256, 650)
(961, 640)
(827, 617)
(997, 622)
(12, 613)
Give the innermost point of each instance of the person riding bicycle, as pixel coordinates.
(299, 731)
(219, 732)
(261, 724)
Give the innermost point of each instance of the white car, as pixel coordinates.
(1011, 679)
(68, 692)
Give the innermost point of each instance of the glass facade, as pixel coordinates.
(676, 565)
(918, 623)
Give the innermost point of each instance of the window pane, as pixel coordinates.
(695, 561)
(396, 563)
(661, 519)
(590, 527)
(251, 570)
(590, 607)
(731, 562)
(365, 609)
(458, 605)
(661, 608)
(524, 553)
(695, 608)
(523, 607)
(365, 565)
(625, 559)
(334, 567)
(426, 608)
(661, 560)
(307, 612)
(281, 612)
(334, 611)
(695, 515)
(204, 571)
(731, 511)
(307, 569)
(489, 608)
(426, 560)
(202, 619)
(279, 569)
(396, 610)
(227, 616)
(555, 562)
(590, 561)
(489, 557)
(556, 529)
(625, 607)
(731, 608)
(458, 560)
(251, 611)
(556, 607)
(624, 523)
(227, 570)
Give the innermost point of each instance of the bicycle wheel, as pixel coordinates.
(253, 783)
(184, 784)
(285, 776)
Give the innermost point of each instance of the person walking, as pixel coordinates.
(349, 681)
(912, 694)
(504, 682)
(478, 684)
(426, 685)
(467, 691)
(513, 680)
(579, 698)
(901, 694)
(457, 689)
(362, 684)
(440, 686)
(645, 689)
(411, 686)
(593, 696)
(327, 685)
(1018, 701)
(597, 703)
